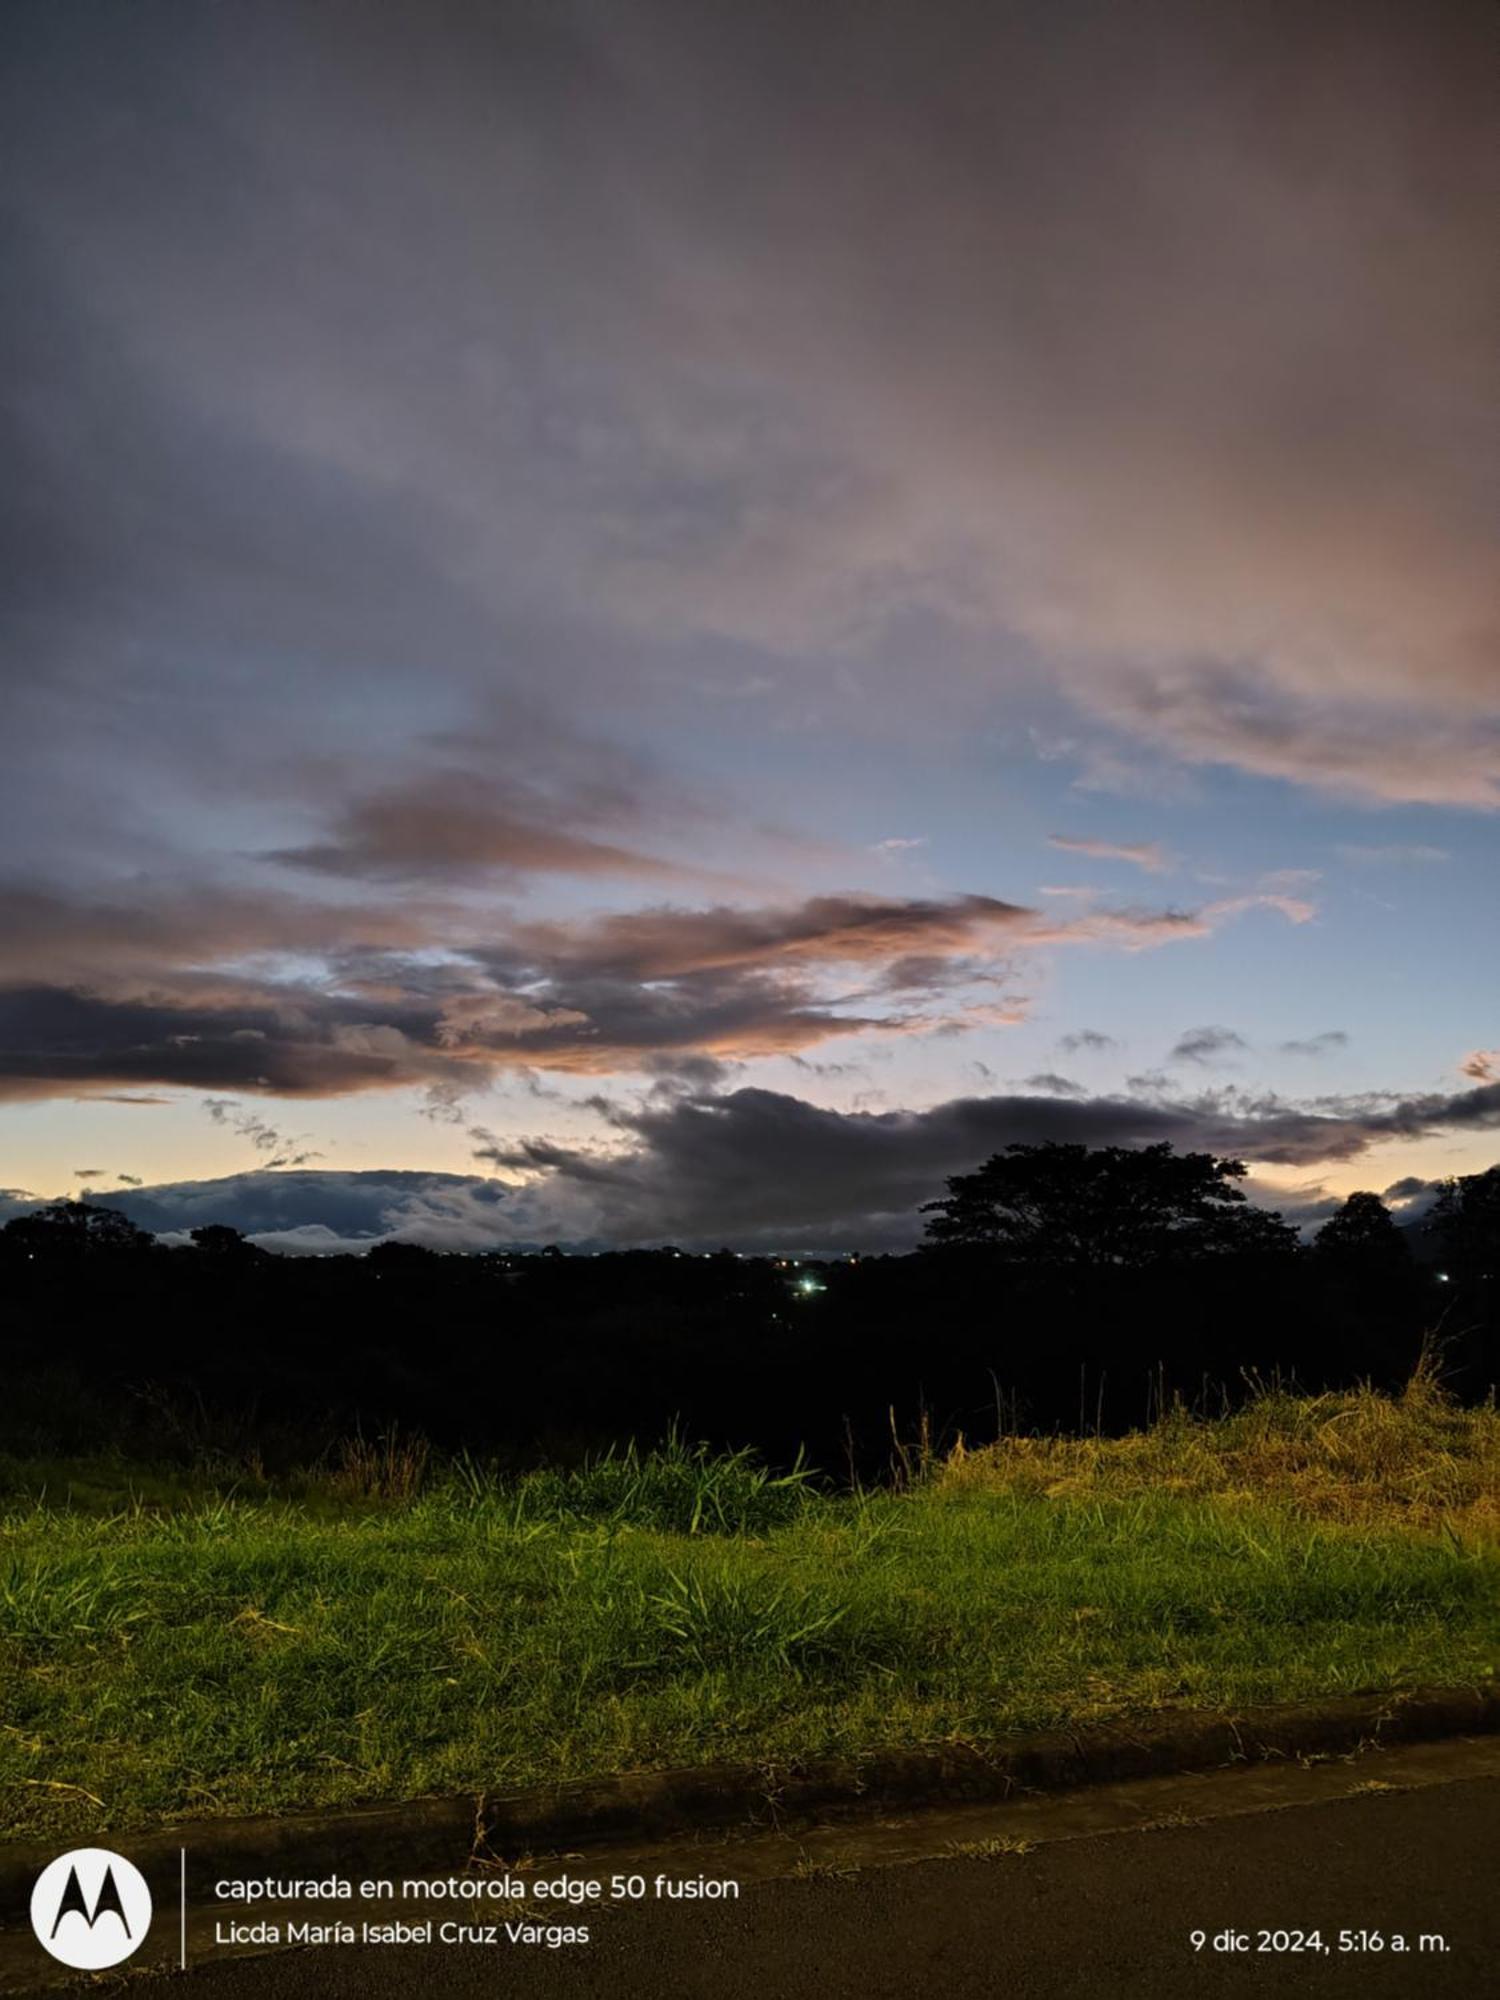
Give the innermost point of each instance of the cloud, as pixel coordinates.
(120, 1097)
(837, 930)
(454, 822)
(698, 1074)
(1137, 930)
(1386, 746)
(759, 1169)
(325, 1212)
(735, 982)
(450, 1032)
(1177, 388)
(430, 828)
(1325, 1044)
(1147, 854)
(1206, 1045)
(264, 1137)
(145, 928)
(1306, 1206)
(305, 1041)
(290, 1041)
(1170, 380)
(1483, 1065)
(1088, 1040)
(1409, 1188)
(468, 993)
(1296, 909)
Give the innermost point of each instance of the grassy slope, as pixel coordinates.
(245, 1655)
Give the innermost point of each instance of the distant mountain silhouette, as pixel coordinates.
(313, 1211)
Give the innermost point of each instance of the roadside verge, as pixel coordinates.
(448, 1834)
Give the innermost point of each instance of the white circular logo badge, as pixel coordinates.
(91, 1908)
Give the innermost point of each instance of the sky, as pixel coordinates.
(644, 622)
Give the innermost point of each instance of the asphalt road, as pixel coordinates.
(1103, 1916)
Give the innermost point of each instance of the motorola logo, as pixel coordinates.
(91, 1908)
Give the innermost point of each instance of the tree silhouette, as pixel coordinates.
(217, 1239)
(1105, 1207)
(1368, 1288)
(1465, 1221)
(393, 1256)
(71, 1229)
(1362, 1237)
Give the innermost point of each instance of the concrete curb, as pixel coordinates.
(432, 1836)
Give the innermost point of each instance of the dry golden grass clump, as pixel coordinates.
(1417, 1460)
(390, 1467)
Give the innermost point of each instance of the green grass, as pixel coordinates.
(232, 1655)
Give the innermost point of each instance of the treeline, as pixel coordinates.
(1059, 1289)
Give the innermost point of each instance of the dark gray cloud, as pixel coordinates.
(306, 1042)
(1408, 1188)
(761, 1169)
(55, 1041)
(1088, 1040)
(119, 1097)
(630, 990)
(1325, 1044)
(755, 1168)
(758, 1169)
(1206, 1045)
(319, 1213)
(277, 1148)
